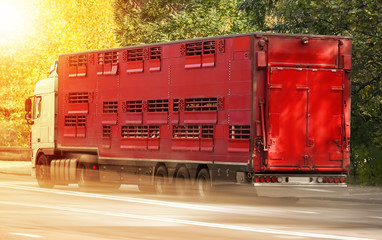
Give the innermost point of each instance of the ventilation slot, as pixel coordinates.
(135, 55)
(155, 53)
(135, 61)
(106, 131)
(201, 104)
(110, 107)
(176, 105)
(193, 49)
(209, 47)
(73, 61)
(70, 121)
(107, 63)
(79, 97)
(153, 131)
(77, 65)
(81, 121)
(81, 60)
(158, 105)
(155, 59)
(200, 54)
(186, 131)
(134, 106)
(208, 131)
(239, 132)
(134, 131)
(75, 126)
(111, 57)
(208, 59)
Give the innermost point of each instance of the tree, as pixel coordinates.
(260, 13)
(149, 21)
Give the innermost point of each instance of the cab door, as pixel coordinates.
(43, 121)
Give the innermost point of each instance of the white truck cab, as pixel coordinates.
(41, 115)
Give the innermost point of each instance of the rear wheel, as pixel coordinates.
(43, 172)
(182, 182)
(160, 180)
(203, 184)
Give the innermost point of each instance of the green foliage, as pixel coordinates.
(260, 12)
(149, 21)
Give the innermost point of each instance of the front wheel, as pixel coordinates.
(182, 182)
(43, 172)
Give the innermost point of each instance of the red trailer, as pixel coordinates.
(268, 109)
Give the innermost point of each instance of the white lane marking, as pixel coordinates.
(306, 212)
(189, 222)
(26, 235)
(375, 217)
(315, 190)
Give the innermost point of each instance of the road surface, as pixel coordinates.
(65, 212)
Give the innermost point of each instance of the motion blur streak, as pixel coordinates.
(188, 222)
(128, 199)
(26, 235)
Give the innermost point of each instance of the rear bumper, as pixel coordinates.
(301, 190)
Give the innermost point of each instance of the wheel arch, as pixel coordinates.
(43, 151)
(200, 167)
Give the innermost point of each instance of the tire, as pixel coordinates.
(182, 182)
(43, 172)
(161, 181)
(203, 185)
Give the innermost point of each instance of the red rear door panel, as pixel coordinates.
(304, 119)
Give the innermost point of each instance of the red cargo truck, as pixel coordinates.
(271, 110)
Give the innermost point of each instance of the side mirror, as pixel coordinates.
(28, 105)
(28, 116)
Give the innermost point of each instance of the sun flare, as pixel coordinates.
(13, 20)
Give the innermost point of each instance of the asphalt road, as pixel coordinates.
(30, 212)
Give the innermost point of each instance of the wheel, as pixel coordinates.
(160, 180)
(203, 184)
(43, 172)
(182, 182)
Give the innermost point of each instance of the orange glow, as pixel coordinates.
(13, 21)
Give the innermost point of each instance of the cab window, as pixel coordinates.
(37, 107)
